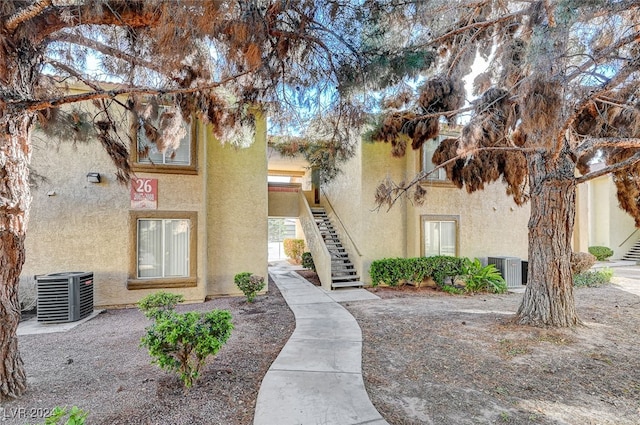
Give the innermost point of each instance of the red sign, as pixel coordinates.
(144, 194)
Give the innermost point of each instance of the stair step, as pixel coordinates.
(347, 285)
(345, 278)
(343, 272)
(634, 253)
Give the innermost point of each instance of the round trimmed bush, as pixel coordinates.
(602, 253)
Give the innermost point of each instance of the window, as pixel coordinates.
(439, 235)
(428, 148)
(164, 253)
(148, 158)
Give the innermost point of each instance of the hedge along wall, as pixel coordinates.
(393, 271)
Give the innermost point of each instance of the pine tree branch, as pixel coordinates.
(620, 77)
(419, 178)
(26, 14)
(592, 144)
(619, 166)
(104, 49)
(40, 104)
(124, 13)
(604, 54)
(72, 72)
(475, 25)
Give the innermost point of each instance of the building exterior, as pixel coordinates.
(450, 222)
(192, 220)
(601, 222)
(194, 217)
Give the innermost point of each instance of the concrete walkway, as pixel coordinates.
(317, 378)
(626, 274)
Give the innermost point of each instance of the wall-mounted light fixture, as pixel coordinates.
(93, 177)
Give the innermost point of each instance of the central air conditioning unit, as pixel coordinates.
(510, 268)
(64, 297)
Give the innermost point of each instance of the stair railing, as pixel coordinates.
(315, 242)
(628, 237)
(345, 237)
(342, 226)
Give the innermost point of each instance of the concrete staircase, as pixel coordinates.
(343, 272)
(634, 253)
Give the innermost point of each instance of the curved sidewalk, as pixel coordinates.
(317, 377)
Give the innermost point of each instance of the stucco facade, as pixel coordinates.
(489, 223)
(600, 221)
(76, 225)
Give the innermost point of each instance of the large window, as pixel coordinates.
(164, 251)
(439, 235)
(181, 159)
(427, 166)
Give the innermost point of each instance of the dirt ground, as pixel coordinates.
(433, 358)
(99, 367)
(428, 358)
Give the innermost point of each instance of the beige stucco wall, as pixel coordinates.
(608, 225)
(376, 233)
(490, 223)
(283, 203)
(80, 226)
(237, 211)
(581, 222)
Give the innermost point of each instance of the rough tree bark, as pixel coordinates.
(548, 299)
(17, 82)
(15, 198)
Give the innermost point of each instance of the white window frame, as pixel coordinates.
(163, 249)
(165, 163)
(425, 160)
(135, 281)
(425, 219)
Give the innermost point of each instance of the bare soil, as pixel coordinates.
(428, 358)
(99, 367)
(311, 276)
(433, 358)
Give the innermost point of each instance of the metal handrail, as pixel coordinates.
(341, 223)
(628, 237)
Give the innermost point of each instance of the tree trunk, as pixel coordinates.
(15, 199)
(548, 299)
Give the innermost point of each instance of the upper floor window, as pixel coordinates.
(427, 166)
(149, 154)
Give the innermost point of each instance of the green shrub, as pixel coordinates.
(389, 271)
(444, 266)
(293, 248)
(249, 284)
(395, 271)
(450, 289)
(307, 261)
(602, 253)
(592, 278)
(76, 416)
(479, 278)
(158, 303)
(181, 342)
